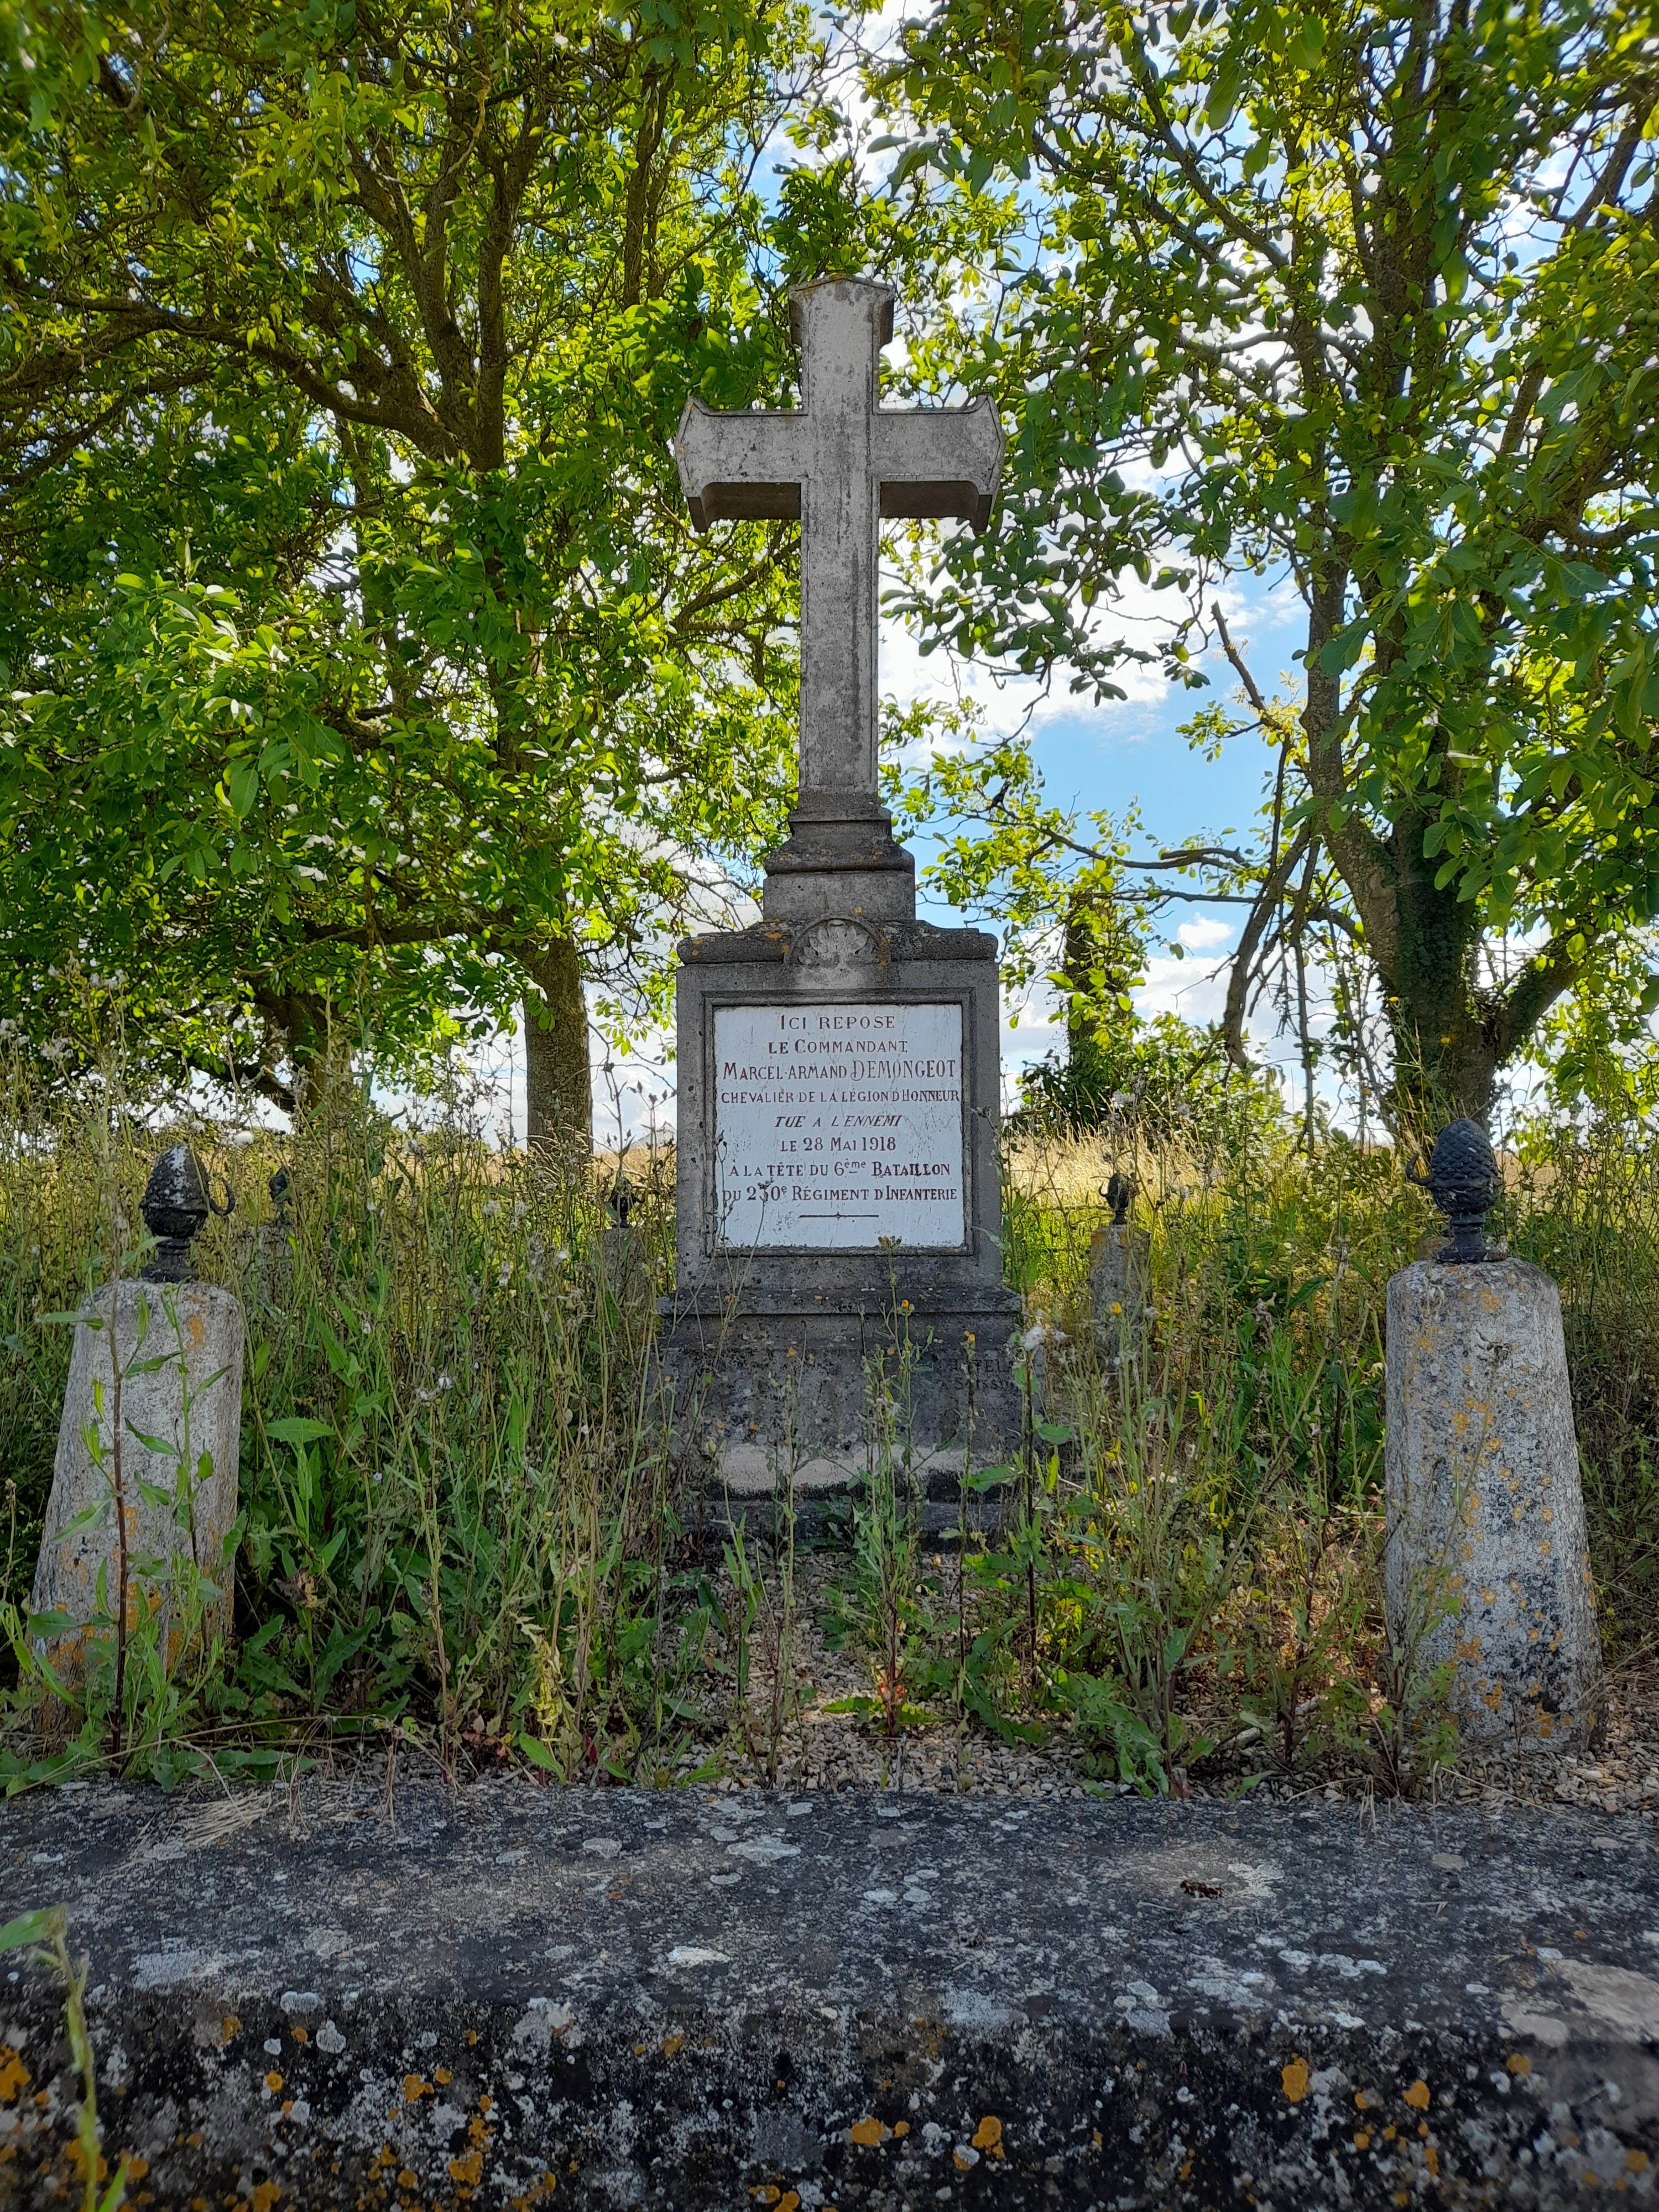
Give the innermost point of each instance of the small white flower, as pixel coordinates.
(560, 1255)
(520, 1207)
(490, 1207)
(446, 1382)
(504, 1274)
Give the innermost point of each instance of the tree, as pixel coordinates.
(1359, 296)
(365, 670)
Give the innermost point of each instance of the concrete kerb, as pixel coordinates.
(642, 1997)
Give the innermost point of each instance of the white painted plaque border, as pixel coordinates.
(914, 1187)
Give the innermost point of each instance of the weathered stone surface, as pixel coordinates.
(179, 1347)
(659, 1998)
(1485, 1511)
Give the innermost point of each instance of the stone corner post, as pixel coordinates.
(153, 1405)
(1120, 1278)
(1487, 1566)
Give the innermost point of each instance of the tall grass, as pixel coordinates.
(467, 1534)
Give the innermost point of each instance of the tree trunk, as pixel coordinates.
(558, 1090)
(1448, 1045)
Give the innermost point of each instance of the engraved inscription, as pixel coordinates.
(838, 1127)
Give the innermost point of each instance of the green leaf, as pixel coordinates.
(31, 1928)
(992, 1478)
(299, 1429)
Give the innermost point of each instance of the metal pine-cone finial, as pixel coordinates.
(1464, 1182)
(176, 1203)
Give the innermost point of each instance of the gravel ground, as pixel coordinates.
(818, 1749)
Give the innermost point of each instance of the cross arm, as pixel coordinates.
(739, 467)
(943, 461)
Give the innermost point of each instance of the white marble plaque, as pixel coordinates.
(837, 1126)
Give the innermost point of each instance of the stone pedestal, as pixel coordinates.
(838, 1210)
(179, 1350)
(1119, 1277)
(1486, 1513)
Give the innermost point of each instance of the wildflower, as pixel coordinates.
(504, 1274)
(490, 1207)
(446, 1382)
(520, 1207)
(560, 1255)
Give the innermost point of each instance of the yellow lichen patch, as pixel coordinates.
(789, 2202)
(138, 2167)
(442, 2076)
(266, 2194)
(901, 2127)
(229, 2027)
(1636, 2160)
(1431, 2158)
(415, 2088)
(408, 2179)
(766, 2192)
(476, 2131)
(1362, 2141)
(1361, 2101)
(469, 2169)
(486, 2103)
(987, 2135)
(273, 2082)
(14, 2075)
(962, 2159)
(671, 2044)
(1417, 2095)
(1293, 2079)
(867, 2132)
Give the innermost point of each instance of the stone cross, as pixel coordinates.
(839, 464)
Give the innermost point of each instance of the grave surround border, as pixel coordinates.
(678, 1998)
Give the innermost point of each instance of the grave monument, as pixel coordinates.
(838, 1210)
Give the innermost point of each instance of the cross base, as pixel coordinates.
(841, 858)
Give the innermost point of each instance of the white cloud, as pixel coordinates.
(1205, 931)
